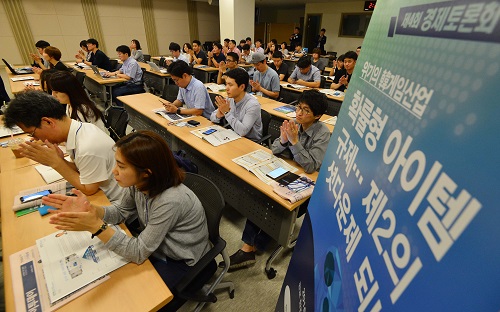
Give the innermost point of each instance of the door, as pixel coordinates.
(313, 26)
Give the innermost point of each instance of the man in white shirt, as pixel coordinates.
(91, 150)
(175, 49)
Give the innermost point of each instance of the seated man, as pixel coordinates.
(216, 56)
(230, 64)
(98, 58)
(175, 49)
(242, 43)
(39, 61)
(91, 150)
(279, 66)
(265, 80)
(241, 110)
(341, 83)
(192, 93)
(250, 44)
(233, 48)
(258, 46)
(298, 52)
(246, 54)
(305, 74)
(131, 71)
(307, 141)
(197, 55)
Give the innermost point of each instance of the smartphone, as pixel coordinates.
(209, 131)
(35, 196)
(193, 122)
(277, 173)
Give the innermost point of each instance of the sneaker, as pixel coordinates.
(240, 259)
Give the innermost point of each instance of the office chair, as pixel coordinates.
(170, 92)
(266, 137)
(114, 64)
(213, 203)
(116, 121)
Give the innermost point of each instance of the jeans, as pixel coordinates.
(126, 89)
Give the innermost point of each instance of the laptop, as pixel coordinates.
(18, 71)
(156, 68)
(96, 71)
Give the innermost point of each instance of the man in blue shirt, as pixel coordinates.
(131, 71)
(175, 49)
(192, 93)
(305, 74)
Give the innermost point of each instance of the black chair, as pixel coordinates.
(116, 121)
(170, 92)
(213, 203)
(114, 64)
(147, 57)
(266, 137)
(161, 62)
(322, 83)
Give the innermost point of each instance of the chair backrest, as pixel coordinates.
(147, 57)
(170, 92)
(114, 64)
(212, 97)
(161, 62)
(212, 200)
(266, 119)
(80, 76)
(322, 83)
(116, 120)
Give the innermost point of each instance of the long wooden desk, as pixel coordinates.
(334, 102)
(153, 79)
(96, 84)
(17, 87)
(241, 189)
(131, 288)
(203, 73)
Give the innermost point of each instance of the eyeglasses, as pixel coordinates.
(229, 60)
(32, 134)
(304, 110)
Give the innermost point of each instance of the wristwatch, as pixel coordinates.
(179, 110)
(103, 227)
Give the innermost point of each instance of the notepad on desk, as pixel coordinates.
(285, 109)
(296, 86)
(22, 78)
(261, 163)
(218, 137)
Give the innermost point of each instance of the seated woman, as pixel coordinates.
(136, 52)
(283, 49)
(67, 90)
(187, 51)
(306, 141)
(316, 60)
(174, 228)
(53, 56)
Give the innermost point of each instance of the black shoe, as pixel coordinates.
(240, 259)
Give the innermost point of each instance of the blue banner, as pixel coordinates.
(403, 215)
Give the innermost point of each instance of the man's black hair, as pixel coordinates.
(351, 54)
(304, 62)
(234, 55)
(227, 40)
(316, 101)
(248, 38)
(174, 46)
(123, 49)
(42, 44)
(218, 45)
(83, 43)
(341, 57)
(277, 54)
(197, 42)
(28, 108)
(233, 41)
(178, 69)
(245, 47)
(93, 41)
(240, 76)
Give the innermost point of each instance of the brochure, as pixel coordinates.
(295, 191)
(216, 135)
(261, 162)
(173, 117)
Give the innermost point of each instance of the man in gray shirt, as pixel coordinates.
(305, 74)
(192, 92)
(241, 110)
(307, 140)
(266, 81)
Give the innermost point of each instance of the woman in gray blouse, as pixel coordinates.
(135, 48)
(174, 232)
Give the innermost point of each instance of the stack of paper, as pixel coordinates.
(296, 86)
(219, 137)
(261, 163)
(331, 121)
(216, 87)
(22, 78)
